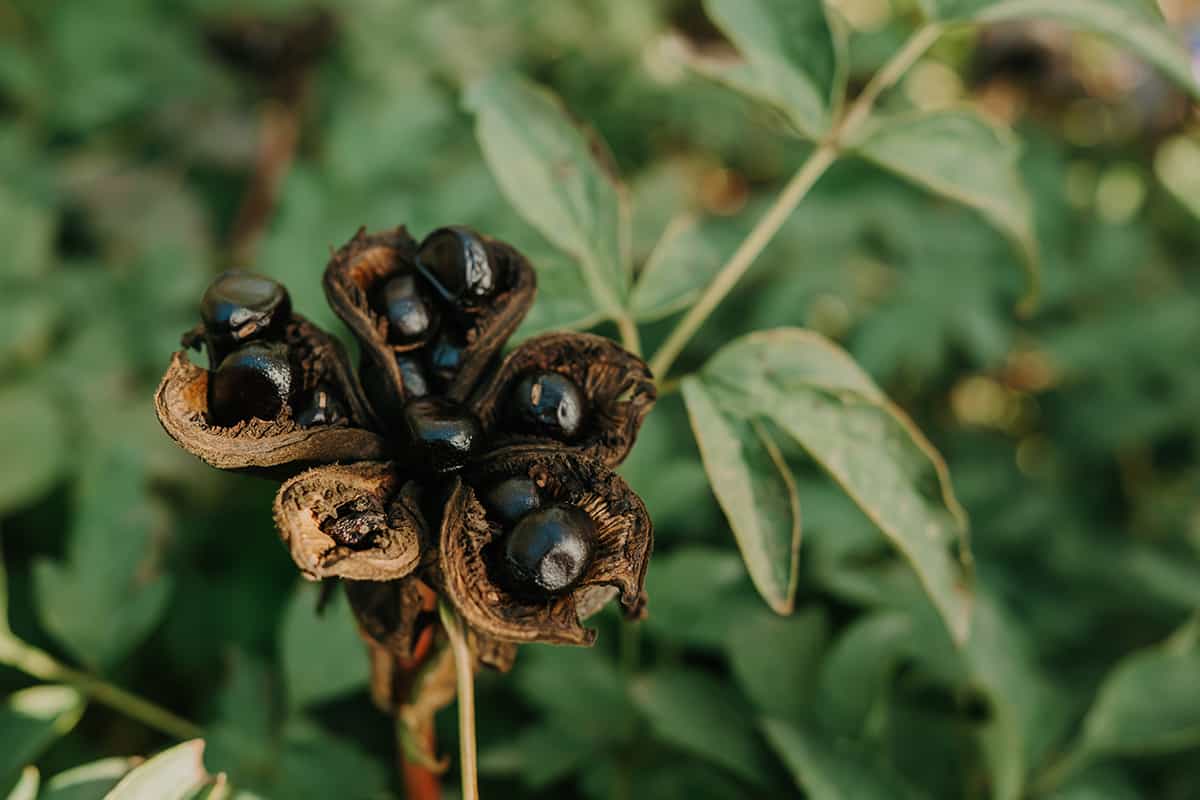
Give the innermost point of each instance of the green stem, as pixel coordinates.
(797, 188)
(41, 665)
(887, 76)
(1058, 772)
(630, 339)
(464, 671)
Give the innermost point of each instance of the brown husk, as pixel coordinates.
(279, 447)
(310, 499)
(367, 259)
(623, 550)
(617, 384)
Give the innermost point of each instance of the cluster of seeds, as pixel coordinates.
(438, 465)
(254, 371)
(547, 548)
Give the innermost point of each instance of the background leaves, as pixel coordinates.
(1071, 434)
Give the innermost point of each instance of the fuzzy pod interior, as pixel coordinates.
(310, 507)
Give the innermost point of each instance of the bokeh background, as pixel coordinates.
(146, 145)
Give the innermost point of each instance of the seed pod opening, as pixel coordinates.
(313, 510)
(533, 395)
(453, 349)
(472, 546)
(294, 440)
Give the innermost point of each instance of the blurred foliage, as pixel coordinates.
(127, 146)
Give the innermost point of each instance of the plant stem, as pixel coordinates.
(39, 664)
(887, 77)
(629, 334)
(420, 782)
(464, 670)
(818, 161)
(797, 188)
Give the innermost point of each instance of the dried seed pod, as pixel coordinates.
(399, 620)
(314, 510)
(393, 613)
(286, 444)
(583, 390)
(354, 279)
(358, 271)
(472, 544)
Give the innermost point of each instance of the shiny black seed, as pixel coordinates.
(548, 404)
(457, 264)
(356, 523)
(445, 357)
(253, 381)
(409, 313)
(441, 434)
(549, 550)
(512, 498)
(240, 307)
(415, 382)
(321, 409)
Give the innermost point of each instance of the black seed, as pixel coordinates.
(512, 498)
(415, 383)
(549, 550)
(548, 404)
(253, 381)
(356, 523)
(409, 313)
(321, 409)
(239, 307)
(445, 357)
(456, 262)
(442, 434)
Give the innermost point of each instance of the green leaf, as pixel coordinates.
(27, 785)
(827, 770)
(700, 715)
(174, 774)
(576, 691)
(88, 782)
(756, 491)
(775, 660)
(32, 445)
(1000, 659)
(683, 262)
(815, 393)
(792, 58)
(1150, 703)
(541, 754)
(855, 673)
(32, 719)
(29, 231)
(26, 328)
(323, 655)
(111, 565)
(698, 596)
(549, 170)
(1133, 25)
(961, 156)
(563, 299)
(313, 765)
